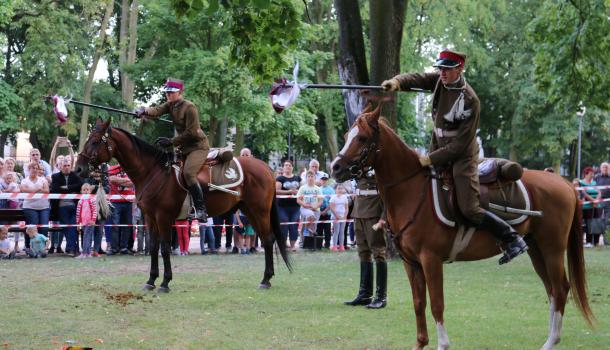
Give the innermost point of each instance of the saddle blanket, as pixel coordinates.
(511, 194)
(224, 175)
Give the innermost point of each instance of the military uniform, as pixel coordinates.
(372, 244)
(190, 139)
(455, 112)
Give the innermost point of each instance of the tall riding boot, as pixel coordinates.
(503, 232)
(365, 294)
(382, 286)
(198, 202)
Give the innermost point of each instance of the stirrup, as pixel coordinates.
(510, 254)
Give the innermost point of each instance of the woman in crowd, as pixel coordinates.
(9, 166)
(36, 211)
(591, 212)
(288, 208)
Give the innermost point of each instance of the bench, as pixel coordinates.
(14, 216)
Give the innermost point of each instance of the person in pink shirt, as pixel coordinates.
(86, 214)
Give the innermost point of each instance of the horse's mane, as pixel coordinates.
(141, 146)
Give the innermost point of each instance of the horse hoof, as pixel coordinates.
(148, 287)
(264, 286)
(163, 290)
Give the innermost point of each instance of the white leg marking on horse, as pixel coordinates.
(443, 338)
(350, 137)
(555, 323)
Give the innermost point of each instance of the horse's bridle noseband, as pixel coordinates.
(358, 166)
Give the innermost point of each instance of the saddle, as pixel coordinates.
(500, 191)
(220, 169)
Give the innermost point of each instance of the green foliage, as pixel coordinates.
(11, 109)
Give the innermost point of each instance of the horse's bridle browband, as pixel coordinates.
(93, 157)
(357, 166)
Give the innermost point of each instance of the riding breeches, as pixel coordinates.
(371, 243)
(192, 164)
(466, 180)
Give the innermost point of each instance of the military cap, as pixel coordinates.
(450, 59)
(173, 85)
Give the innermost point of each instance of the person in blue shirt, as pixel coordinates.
(324, 228)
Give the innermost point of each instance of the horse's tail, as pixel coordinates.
(576, 266)
(277, 234)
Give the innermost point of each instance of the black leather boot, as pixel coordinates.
(198, 202)
(503, 232)
(382, 286)
(365, 294)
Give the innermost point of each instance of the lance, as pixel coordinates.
(340, 86)
(110, 109)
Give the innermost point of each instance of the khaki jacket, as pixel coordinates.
(455, 112)
(185, 117)
(367, 206)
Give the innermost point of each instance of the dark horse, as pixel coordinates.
(160, 197)
(424, 243)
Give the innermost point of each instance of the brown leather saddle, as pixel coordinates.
(220, 168)
(499, 186)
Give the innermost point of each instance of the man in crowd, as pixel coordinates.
(35, 158)
(314, 166)
(455, 113)
(190, 141)
(603, 179)
(121, 185)
(65, 181)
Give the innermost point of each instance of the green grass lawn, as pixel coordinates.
(215, 304)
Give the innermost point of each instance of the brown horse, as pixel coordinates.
(424, 243)
(160, 197)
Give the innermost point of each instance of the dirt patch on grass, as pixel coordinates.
(124, 299)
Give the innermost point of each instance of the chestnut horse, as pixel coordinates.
(160, 197)
(425, 243)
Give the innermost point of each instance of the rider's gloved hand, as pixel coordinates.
(424, 160)
(163, 142)
(140, 112)
(391, 85)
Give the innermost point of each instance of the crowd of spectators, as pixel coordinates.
(313, 210)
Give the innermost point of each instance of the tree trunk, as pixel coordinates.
(127, 51)
(131, 50)
(386, 26)
(239, 138)
(351, 62)
(89, 84)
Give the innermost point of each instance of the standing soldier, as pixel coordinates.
(190, 140)
(371, 241)
(455, 112)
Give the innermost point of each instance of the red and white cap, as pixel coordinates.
(450, 59)
(173, 85)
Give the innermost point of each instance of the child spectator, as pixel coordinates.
(206, 233)
(5, 244)
(324, 228)
(182, 228)
(86, 214)
(244, 232)
(11, 186)
(38, 243)
(310, 199)
(338, 208)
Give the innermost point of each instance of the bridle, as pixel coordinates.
(357, 167)
(91, 160)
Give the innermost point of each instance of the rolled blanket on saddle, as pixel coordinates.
(493, 169)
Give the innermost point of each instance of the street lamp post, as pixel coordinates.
(581, 115)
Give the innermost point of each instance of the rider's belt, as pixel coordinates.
(445, 133)
(367, 192)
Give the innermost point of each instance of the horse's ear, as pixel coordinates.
(368, 108)
(106, 124)
(373, 117)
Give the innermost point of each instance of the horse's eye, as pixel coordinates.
(361, 139)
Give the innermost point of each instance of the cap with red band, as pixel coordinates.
(173, 85)
(450, 59)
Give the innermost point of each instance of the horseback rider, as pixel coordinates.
(190, 140)
(455, 112)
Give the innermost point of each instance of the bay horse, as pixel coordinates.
(425, 243)
(160, 196)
